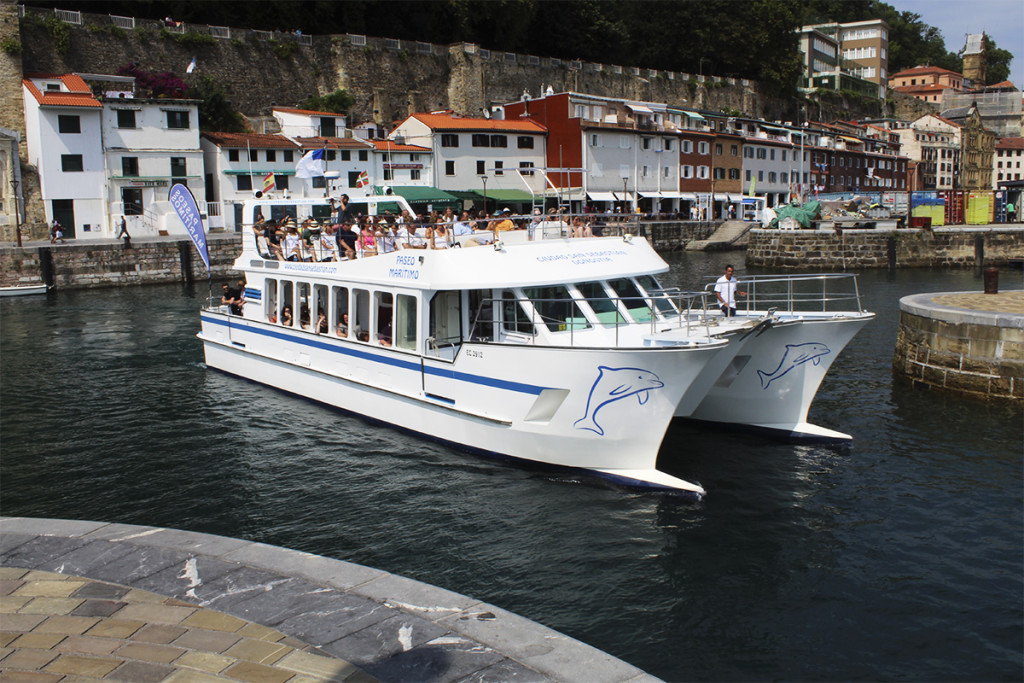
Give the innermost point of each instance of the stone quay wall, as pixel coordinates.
(84, 266)
(841, 250)
(973, 354)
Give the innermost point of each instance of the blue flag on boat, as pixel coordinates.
(188, 211)
(312, 164)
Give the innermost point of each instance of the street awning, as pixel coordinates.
(602, 196)
(651, 195)
(688, 196)
(509, 195)
(640, 108)
(420, 194)
(624, 196)
(694, 115)
(467, 195)
(735, 198)
(671, 195)
(856, 141)
(259, 172)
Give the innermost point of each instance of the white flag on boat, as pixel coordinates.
(311, 164)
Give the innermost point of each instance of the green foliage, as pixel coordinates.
(188, 39)
(237, 42)
(215, 111)
(11, 46)
(283, 49)
(142, 35)
(997, 62)
(338, 102)
(108, 29)
(60, 33)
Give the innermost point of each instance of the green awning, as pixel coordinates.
(509, 195)
(258, 172)
(420, 194)
(467, 195)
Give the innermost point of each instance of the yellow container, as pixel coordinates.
(937, 212)
(980, 207)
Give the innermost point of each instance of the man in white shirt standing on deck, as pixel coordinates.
(725, 290)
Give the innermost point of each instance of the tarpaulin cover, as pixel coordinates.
(801, 213)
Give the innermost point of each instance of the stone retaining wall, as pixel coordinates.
(841, 250)
(967, 355)
(81, 266)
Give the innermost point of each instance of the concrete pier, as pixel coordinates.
(966, 342)
(91, 600)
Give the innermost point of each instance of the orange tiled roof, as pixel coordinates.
(922, 70)
(1010, 143)
(930, 87)
(1005, 85)
(449, 122)
(79, 94)
(390, 146)
(290, 110)
(332, 143)
(252, 140)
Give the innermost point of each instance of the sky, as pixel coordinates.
(1001, 20)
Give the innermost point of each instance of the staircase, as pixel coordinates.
(729, 235)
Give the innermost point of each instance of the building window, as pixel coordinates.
(718, 149)
(319, 182)
(126, 118)
(449, 168)
(762, 153)
(760, 176)
(498, 165)
(271, 155)
(131, 198)
(353, 178)
(130, 166)
(71, 163)
(783, 155)
(330, 155)
(364, 155)
(646, 143)
(687, 171)
(702, 171)
(177, 119)
(734, 174)
(687, 146)
(746, 174)
(719, 173)
(480, 167)
(668, 145)
(178, 168)
(499, 141)
(703, 148)
(735, 150)
(280, 181)
(68, 123)
(244, 183)
(771, 156)
(481, 140)
(414, 174)
(232, 155)
(593, 141)
(525, 141)
(772, 177)
(525, 165)
(288, 156)
(449, 140)
(254, 155)
(328, 129)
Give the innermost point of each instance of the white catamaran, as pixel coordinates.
(559, 351)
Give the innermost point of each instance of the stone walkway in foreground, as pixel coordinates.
(83, 601)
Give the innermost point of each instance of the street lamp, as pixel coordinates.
(625, 197)
(17, 212)
(483, 178)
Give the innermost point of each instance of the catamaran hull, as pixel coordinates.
(603, 410)
(771, 381)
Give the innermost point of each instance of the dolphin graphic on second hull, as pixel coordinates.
(615, 384)
(796, 354)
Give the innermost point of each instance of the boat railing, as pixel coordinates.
(629, 318)
(798, 293)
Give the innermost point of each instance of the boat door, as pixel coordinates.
(441, 347)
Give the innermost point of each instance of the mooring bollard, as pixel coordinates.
(991, 280)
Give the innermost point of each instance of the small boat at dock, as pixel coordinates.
(23, 290)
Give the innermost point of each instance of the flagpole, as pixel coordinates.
(249, 156)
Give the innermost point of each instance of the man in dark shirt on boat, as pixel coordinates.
(233, 298)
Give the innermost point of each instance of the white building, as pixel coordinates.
(486, 156)
(100, 158)
(306, 123)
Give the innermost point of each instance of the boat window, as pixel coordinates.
(341, 311)
(270, 299)
(446, 318)
(631, 298)
(304, 305)
(604, 308)
(287, 301)
(405, 322)
(361, 315)
(556, 308)
(661, 301)
(481, 315)
(279, 211)
(383, 330)
(513, 316)
(320, 306)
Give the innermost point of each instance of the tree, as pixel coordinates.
(997, 62)
(215, 111)
(338, 102)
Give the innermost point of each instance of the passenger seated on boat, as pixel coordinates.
(273, 236)
(437, 237)
(343, 327)
(388, 239)
(321, 326)
(347, 237)
(505, 222)
(292, 243)
(286, 316)
(412, 238)
(384, 336)
(304, 317)
(231, 298)
(581, 228)
(367, 244)
(328, 245)
(463, 226)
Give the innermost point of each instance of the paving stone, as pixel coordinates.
(260, 632)
(8, 586)
(316, 665)
(140, 672)
(321, 570)
(12, 573)
(122, 532)
(160, 614)
(159, 633)
(29, 677)
(327, 622)
(258, 651)
(136, 596)
(89, 645)
(97, 608)
(10, 604)
(83, 560)
(102, 591)
(149, 652)
(49, 527)
(384, 639)
(506, 670)
(29, 659)
(83, 666)
(66, 625)
(39, 641)
(6, 638)
(187, 676)
(448, 658)
(186, 578)
(257, 673)
(40, 550)
(205, 544)
(9, 541)
(201, 639)
(49, 589)
(20, 622)
(424, 600)
(116, 628)
(205, 661)
(50, 605)
(137, 564)
(214, 621)
(286, 600)
(240, 583)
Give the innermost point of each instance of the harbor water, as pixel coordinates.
(898, 556)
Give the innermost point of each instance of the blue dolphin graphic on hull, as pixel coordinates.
(615, 384)
(796, 354)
